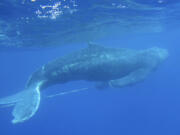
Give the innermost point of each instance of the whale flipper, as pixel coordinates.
(130, 79)
(25, 104)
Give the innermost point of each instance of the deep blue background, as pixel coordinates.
(148, 108)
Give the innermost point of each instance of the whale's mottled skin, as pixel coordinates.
(106, 66)
(100, 64)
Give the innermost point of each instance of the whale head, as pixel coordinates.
(159, 53)
(155, 56)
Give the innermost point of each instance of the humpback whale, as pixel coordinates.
(114, 67)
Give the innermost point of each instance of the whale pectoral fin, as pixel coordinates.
(102, 85)
(130, 79)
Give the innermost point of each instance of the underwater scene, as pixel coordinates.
(89, 67)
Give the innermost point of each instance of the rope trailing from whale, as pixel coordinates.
(69, 92)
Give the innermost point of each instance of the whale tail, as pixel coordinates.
(25, 103)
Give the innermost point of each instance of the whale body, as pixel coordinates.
(114, 67)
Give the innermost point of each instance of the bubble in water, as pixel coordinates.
(56, 9)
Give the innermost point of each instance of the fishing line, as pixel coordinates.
(68, 92)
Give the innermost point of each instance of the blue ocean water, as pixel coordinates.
(149, 107)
